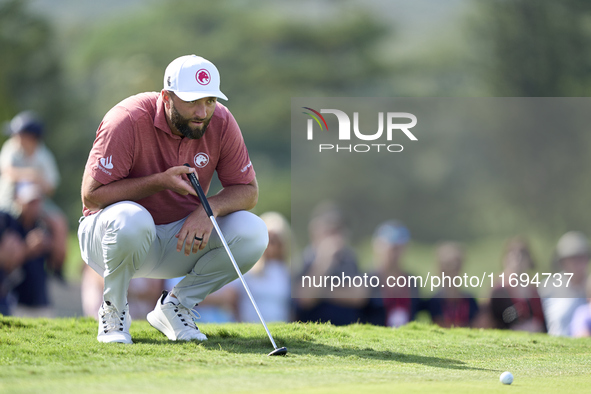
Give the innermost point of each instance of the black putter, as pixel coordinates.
(282, 351)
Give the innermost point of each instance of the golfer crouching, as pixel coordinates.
(142, 218)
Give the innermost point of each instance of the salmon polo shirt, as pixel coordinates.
(134, 140)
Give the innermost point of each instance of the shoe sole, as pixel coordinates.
(115, 337)
(123, 341)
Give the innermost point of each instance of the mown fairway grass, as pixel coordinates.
(63, 356)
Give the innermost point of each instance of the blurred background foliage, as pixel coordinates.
(72, 61)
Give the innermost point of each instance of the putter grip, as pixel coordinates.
(200, 193)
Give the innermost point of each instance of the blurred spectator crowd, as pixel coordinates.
(33, 237)
(33, 230)
(555, 309)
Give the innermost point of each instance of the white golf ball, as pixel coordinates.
(506, 378)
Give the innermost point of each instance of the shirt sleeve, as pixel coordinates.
(234, 166)
(111, 156)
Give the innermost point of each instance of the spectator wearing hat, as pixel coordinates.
(451, 306)
(560, 301)
(25, 158)
(401, 302)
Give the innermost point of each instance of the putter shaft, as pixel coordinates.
(197, 186)
(242, 279)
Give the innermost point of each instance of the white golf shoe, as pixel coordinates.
(113, 325)
(175, 321)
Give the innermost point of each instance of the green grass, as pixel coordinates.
(62, 355)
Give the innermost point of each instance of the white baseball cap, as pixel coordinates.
(192, 77)
(571, 244)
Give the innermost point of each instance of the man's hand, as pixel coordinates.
(228, 200)
(172, 179)
(196, 225)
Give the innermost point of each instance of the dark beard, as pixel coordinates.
(182, 125)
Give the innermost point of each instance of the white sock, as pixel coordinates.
(171, 299)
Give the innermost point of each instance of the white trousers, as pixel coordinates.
(122, 242)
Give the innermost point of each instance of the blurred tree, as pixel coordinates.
(539, 49)
(30, 66)
(31, 79)
(536, 48)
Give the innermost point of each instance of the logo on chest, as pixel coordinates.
(201, 159)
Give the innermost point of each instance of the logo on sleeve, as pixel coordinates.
(201, 159)
(246, 167)
(107, 162)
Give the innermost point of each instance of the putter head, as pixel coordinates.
(281, 351)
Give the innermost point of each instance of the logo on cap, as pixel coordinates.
(203, 77)
(201, 159)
